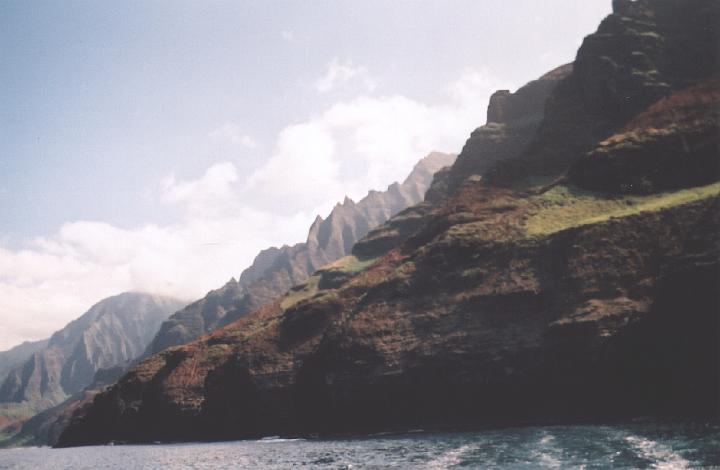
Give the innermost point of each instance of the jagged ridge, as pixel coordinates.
(276, 270)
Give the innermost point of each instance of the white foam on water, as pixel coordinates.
(663, 458)
(449, 458)
(546, 456)
(274, 439)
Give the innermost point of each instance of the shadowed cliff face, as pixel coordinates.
(276, 270)
(512, 122)
(644, 51)
(497, 303)
(674, 144)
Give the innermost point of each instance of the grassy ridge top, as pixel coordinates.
(565, 207)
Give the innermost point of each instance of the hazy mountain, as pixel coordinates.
(12, 357)
(112, 332)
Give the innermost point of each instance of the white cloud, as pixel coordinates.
(367, 142)
(213, 187)
(340, 73)
(352, 146)
(57, 278)
(288, 35)
(232, 133)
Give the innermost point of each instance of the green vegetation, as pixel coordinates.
(348, 264)
(352, 264)
(301, 292)
(535, 181)
(564, 207)
(26, 409)
(13, 440)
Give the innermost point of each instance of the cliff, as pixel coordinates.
(641, 53)
(539, 285)
(12, 357)
(276, 270)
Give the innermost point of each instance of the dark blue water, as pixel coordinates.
(633, 446)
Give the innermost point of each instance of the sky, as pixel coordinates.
(158, 145)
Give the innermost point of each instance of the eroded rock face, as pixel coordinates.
(674, 144)
(276, 270)
(492, 304)
(512, 121)
(12, 357)
(646, 50)
(112, 332)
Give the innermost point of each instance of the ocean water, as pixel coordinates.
(658, 446)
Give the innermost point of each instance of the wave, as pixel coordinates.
(662, 456)
(276, 439)
(547, 453)
(450, 458)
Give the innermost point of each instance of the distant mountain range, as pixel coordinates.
(276, 270)
(113, 332)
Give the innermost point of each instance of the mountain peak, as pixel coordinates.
(496, 106)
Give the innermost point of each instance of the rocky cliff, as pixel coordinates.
(275, 270)
(539, 286)
(112, 332)
(12, 357)
(644, 51)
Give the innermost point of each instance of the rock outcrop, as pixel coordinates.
(511, 298)
(512, 122)
(276, 270)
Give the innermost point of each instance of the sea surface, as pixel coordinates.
(660, 446)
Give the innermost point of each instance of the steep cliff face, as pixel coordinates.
(276, 270)
(507, 300)
(674, 144)
(512, 122)
(112, 332)
(13, 357)
(644, 51)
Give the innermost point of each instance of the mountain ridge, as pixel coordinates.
(275, 270)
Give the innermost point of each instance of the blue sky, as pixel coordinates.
(132, 133)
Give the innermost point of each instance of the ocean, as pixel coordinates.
(648, 445)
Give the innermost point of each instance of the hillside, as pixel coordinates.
(275, 270)
(565, 269)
